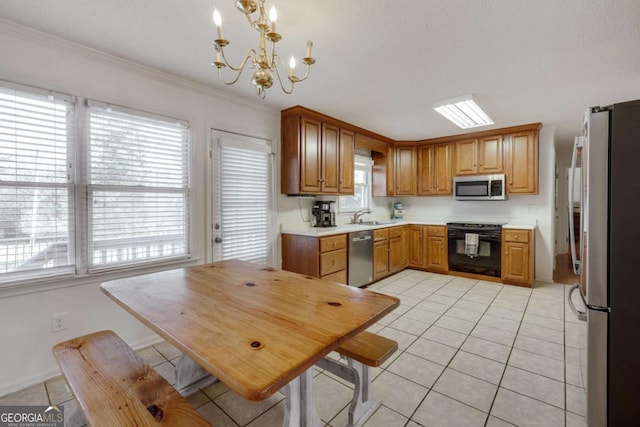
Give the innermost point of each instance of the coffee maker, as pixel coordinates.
(323, 214)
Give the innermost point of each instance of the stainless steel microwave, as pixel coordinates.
(479, 187)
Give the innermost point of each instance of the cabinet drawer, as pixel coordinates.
(331, 262)
(331, 243)
(380, 234)
(436, 230)
(395, 232)
(338, 277)
(521, 236)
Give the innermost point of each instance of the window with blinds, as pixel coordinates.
(245, 201)
(36, 183)
(138, 187)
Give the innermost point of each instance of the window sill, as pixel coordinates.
(43, 284)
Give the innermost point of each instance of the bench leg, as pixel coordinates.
(362, 405)
(190, 376)
(300, 411)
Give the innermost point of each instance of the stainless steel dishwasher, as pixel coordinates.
(360, 258)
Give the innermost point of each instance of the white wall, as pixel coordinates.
(36, 59)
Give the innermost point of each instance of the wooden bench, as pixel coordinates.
(114, 386)
(361, 352)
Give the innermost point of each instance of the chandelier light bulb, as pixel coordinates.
(292, 66)
(217, 19)
(273, 14)
(309, 46)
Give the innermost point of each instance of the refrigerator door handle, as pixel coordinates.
(581, 315)
(576, 263)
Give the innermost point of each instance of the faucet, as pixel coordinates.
(359, 213)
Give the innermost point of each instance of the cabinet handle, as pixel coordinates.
(506, 253)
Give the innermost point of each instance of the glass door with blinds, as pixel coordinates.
(242, 199)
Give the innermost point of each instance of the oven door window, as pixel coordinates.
(472, 188)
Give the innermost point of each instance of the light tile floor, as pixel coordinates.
(471, 353)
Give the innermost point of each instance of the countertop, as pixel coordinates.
(349, 228)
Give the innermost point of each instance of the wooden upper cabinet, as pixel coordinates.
(466, 157)
(522, 162)
(406, 170)
(317, 155)
(310, 152)
(346, 162)
(490, 156)
(479, 156)
(434, 170)
(426, 180)
(330, 160)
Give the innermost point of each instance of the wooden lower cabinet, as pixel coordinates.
(322, 257)
(436, 248)
(380, 259)
(428, 247)
(518, 257)
(380, 253)
(397, 252)
(416, 249)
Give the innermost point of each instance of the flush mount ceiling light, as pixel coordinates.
(264, 63)
(463, 111)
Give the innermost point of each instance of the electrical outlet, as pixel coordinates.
(58, 322)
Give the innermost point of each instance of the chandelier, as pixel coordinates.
(263, 62)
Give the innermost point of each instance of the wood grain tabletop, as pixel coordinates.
(254, 327)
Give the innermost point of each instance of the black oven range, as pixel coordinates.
(475, 248)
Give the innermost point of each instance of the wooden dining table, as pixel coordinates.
(255, 328)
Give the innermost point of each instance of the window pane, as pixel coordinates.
(137, 226)
(35, 185)
(130, 152)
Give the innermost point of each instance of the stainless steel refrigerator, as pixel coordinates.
(609, 262)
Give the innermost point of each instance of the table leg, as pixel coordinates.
(300, 410)
(190, 376)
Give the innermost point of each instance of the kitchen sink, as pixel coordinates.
(374, 223)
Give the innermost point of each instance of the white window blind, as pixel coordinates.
(36, 183)
(245, 207)
(138, 187)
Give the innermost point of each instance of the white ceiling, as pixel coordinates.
(381, 64)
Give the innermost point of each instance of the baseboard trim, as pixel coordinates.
(21, 384)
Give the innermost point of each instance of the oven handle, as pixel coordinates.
(489, 237)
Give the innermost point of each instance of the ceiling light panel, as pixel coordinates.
(463, 111)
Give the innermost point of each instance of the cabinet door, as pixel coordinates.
(416, 258)
(522, 163)
(330, 158)
(443, 185)
(406, 170)
(490, 158)
(395, 254)
(346, 162)
(466, 155)
(437, 253)
(380, 259)
(406, 246)
(426, 182)
(310, 172)
(515, 262)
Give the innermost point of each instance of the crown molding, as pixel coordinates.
(31, 35)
